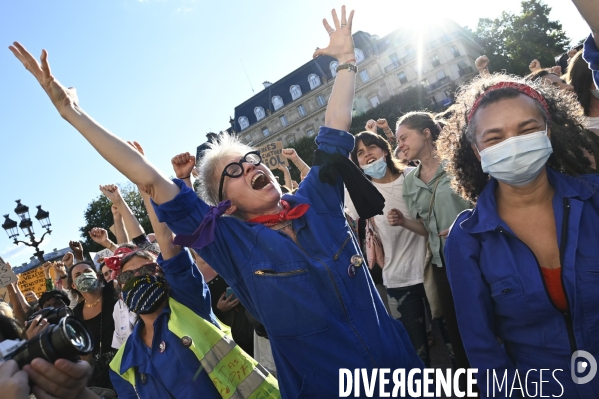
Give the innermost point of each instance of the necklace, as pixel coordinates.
(283, 226)
(93, 304)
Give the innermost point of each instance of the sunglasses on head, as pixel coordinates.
(235, 169)
(145, 270)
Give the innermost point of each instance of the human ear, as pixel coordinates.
(231, 210)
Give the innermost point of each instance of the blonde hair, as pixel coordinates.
(7, 310)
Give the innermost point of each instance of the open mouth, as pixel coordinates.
(260, 181)
(370, 161)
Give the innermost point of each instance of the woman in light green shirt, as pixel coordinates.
(430, 198)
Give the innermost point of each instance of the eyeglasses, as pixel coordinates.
(145, 270)
(235, 169)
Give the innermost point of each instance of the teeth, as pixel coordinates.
(256, 178)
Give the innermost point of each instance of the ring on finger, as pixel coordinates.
(342, 25)
(331, 31)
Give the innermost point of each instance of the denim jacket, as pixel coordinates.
(499, 290)
(318, 317)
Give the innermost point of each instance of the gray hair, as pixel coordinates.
(212, 164)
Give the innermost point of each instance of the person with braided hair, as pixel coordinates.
(524, 263)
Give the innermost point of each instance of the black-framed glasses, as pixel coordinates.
(235, 169)
(145, 270)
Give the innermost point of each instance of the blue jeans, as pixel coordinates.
(407, 306)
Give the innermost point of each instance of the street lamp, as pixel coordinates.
(26, 226)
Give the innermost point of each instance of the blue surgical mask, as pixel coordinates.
(377, 169)
(518, 160)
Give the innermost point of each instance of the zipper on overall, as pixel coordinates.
(562, 249)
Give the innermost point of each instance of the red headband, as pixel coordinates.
(114, 262)
(522, 88)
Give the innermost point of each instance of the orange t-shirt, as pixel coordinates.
(553, 281)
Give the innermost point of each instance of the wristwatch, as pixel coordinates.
(348, 66)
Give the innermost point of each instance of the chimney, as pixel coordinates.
(266, 83)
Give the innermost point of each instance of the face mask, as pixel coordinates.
(144, 294)
(376, 169)
(518, 160)
(86, 282)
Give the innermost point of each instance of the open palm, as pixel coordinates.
(60, 96)
(341, 43)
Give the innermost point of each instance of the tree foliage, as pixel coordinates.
(98, 214)
(512, 41)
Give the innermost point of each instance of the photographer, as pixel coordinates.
(63, 379)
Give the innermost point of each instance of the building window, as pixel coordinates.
(283, 120)
(265, 132)
(259, 112)
(441, 75)
(243, 122)
(333, 67)
(402, 77)
(435, 61)
(409, 49)
(277, 102)
(310, 133)
(314, 81)
(321, 101)
(295, 91)
(291, 139)
(359, 55)
(394, 58)
(455, 51)
(364, 76)
(301, 110)
(374, 100)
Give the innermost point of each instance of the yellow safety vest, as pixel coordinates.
(234, 373)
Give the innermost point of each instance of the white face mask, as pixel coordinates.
(518, 160)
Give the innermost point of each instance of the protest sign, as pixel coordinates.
(7, 276)
(33, 280)
(271, 154)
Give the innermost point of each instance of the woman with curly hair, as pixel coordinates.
(524, 263)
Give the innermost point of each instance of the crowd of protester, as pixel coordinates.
(481, 221)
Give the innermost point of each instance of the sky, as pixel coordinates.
(163, 73)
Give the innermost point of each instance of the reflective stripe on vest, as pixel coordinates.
(235, 374)
(115, 365)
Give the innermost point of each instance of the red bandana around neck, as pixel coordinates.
(288, 213)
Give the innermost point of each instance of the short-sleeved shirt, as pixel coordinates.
(448, 205)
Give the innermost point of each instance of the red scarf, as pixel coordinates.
(288, 213)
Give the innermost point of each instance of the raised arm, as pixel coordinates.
(183, 166)
(132, 225)
(341, 47)
(589, 9)
(115, 150)
(482, 64)
(119, 226)
(291, 155)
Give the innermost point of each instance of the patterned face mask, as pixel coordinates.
(86, 282)
(144, 294)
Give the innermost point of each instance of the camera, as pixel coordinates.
(52, 315)
(67, 339)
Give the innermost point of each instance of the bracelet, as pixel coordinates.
(63, 277)
(183, 178)
(349, 67)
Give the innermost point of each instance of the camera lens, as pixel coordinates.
(68, 339)
(53, 316)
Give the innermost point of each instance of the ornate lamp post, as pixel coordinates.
(26, 226)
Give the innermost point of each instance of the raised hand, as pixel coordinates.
(183, 165)
(60, 268)
(68, 259)
(556, 70)
(534, 66)
(137, 146)
(61, 97)
(341, 43)
(382, 123)
(482, 63)
(115, 211)
(371, 126)
(77, 249)
(395, 217)
(112, 192)
(289, 153)
(99, 235)
(46, 266)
